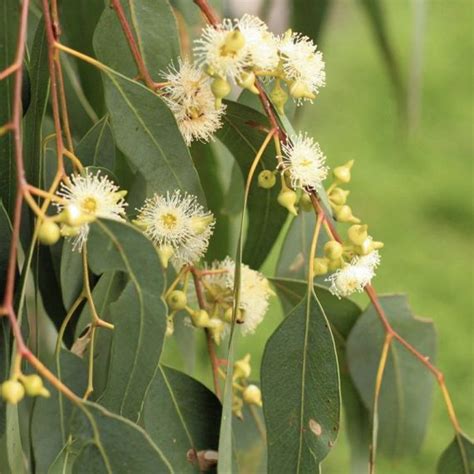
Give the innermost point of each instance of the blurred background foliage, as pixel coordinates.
(413, 175)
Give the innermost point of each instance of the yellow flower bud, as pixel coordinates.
(165, 252)
(344, 214)
(320, 266)
(48, 232)
(239, 318)
(200, 318)
(12, 391)
(357, 234)
(237, 405)
(177, 300)
(266, 179)
(200, 224)
(220, 88)
(34, 387)
(247, 81)
(376, 245)
(343, 173)
(242, 368)
(299, 90)
(338, 196)
(279, 97)
(333, 250)
(305, 202)
(252, 395)
(287, 198)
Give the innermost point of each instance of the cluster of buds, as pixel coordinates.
(243, 392)
(244, 49)
(177, 301)
(14, 390)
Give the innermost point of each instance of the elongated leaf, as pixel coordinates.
(156, 33)
(375, 15)
(300, 386)
(5, 238)
(309, 16)
(9, 21)
(242, 134)
(113, 444)
(50, 419)
(405, 396)
(97, 147)
(458, 458)
(139, 315)
(181, 415)
(71, 274)
(146, 132)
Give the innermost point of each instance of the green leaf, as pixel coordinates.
(78, 21)
(9, 20)
(97, 147)
(180, 415)
(156, 33)
(139, 314)
(72, 274)
(342, 315)
(5, 238)
(54, 412)
(300, 387)
(405, 396)
(458, 457)
(309, 16)
(113, 444)
(146, 132)
(242, 134)
(33, 120)
(374, 11)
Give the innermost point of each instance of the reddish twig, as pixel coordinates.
(137, 56)
(208, 12)
(211, 348)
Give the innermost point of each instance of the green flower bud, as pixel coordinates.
(305, 202)
(252, 395)
(165, 252)
(343, 173)
(338, 196)
(34, 387)
(200, 318)
(12, 391)
(48, 232)
(266, 179)
(220, 88)
(333, 250)
(320, 266)
(177, 300)
(344, 214)
(242, 368)
(357, 234)
(287, 198)
(279, 97)
(299, 90)
(247, 81)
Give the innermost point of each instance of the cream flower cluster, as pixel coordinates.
(86, 197)
(189, 96)
(178, 225)
(255, 292)
(354, 276)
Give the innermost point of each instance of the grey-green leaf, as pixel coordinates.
(181, 416)
(139, 314)
(405, 396)
(458, 457)
(300, 386)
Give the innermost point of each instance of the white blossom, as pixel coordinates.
(179, 222)
(255, 291)
(304, 161)
(91, 195)
(188, 95)
(302, 63)
(354, 276)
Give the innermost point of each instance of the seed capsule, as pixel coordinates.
(266, 179)
(177, 300)
(12, 391)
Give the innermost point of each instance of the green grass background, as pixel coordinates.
(414, 190)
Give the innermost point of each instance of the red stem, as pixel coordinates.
(208, 12)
